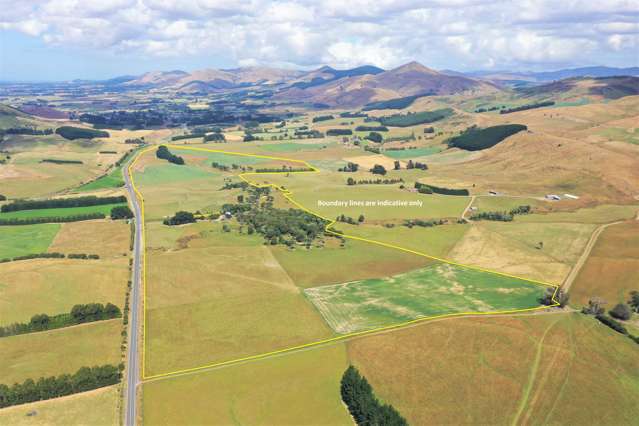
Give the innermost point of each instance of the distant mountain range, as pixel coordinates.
(350, 87)
(549, 76)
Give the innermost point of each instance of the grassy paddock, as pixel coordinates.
(55, 352)
(612, 269)
(53, 286)
(26, 239)
(514, 248)
(60, 212)
(332, 264)
(106, 238)
(601, 214)
(97, 407)
(554, 369)
(300, 389)
(222, 303)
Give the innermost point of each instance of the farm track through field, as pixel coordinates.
(133, 191)
(532, 376)
(565, 286)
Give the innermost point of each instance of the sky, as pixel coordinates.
(96, 39)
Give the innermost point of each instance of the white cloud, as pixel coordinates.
(441, 33)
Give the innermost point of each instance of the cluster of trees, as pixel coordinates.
(25, 131)
(51, 219)
(358, 396)
(527, 106)
(281, 226)
(353, 114)
(79, 314)
(85, 379)
(249, 137)
(214, 137)
(71, 133)
(378, 170)
(220, 166)
(83, 256)
(57, 203)
(502, 216)
(339, 132)
(299, 133)
(322, 118)
(350, 167)
(125, 119)
(57, 161)
(375, 137)
(235, 185)
(397, 103)
(164, 153)
(620, 312)
(179, 218)
(121, 212)
(416, 165)
(495, 216)
(415, 118)
(371, 129)
(615, 325)
(350, 220)
(351, 181)
(94, 312)
(525, 209)
(278, 226)
(186, 136)
(225, 168)
(423, 223)
(135, 141)
(432, 189)
(476, 139)
(372, 149)
(552, 296)
(493, 108)
(284, 169)
(3, 197)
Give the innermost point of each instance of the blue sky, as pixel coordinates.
(67, 39)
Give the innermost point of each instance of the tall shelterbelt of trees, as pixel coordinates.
(358, 396)
(164, 154)
(85, 379)
(79, 314)
(58, 203)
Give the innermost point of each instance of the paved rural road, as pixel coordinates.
(133, 364)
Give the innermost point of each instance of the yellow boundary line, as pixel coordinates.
(288, 195)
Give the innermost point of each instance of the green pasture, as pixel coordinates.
(291, 147)
(434, 290)
(26, 239)
(413, 153)
(60, 212)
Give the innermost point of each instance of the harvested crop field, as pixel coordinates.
(539, 369)
(612, 269)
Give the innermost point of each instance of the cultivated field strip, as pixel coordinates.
(246, 177)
